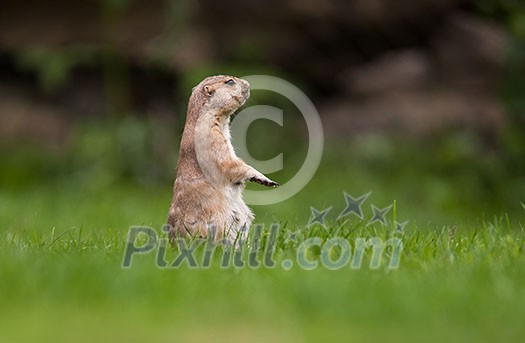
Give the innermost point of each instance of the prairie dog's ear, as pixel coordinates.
(208, 90)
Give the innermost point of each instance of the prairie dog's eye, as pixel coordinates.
(230, 82)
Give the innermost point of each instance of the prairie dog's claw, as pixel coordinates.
(267, 182)
(274, 184)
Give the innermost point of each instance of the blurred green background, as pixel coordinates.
(422, 103)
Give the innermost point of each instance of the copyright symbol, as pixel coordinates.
(247, 116)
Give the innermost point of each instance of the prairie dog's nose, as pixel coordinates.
(245, 83)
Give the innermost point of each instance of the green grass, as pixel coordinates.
(461, 275)
(65, 281)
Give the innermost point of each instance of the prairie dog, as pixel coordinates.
(210, 177)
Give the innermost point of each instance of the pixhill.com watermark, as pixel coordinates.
(332, 253)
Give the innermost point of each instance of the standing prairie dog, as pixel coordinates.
(210, 178)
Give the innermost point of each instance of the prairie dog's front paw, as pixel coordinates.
(264, 181)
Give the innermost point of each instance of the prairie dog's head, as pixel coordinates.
(223, 93)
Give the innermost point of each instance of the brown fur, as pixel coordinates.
(210, 177)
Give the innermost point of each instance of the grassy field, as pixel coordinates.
(460, 277)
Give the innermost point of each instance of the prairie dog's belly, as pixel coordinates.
(239, 215)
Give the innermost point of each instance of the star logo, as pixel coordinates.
(379, 214)
(353, 205)
(400, 227)
(318, 216)
(291, 237)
